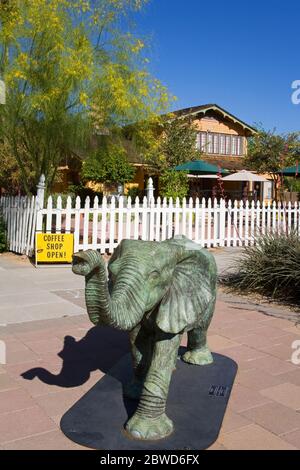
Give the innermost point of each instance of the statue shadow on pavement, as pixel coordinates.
(100, 349)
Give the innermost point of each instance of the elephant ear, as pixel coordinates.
(192, 289)
(116, 254)
(122, 248)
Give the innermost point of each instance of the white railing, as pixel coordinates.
(102, 226)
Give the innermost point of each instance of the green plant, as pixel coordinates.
(83, 191)
(3, 236)
(292, 184)
(134, 192)
(176, 143)
(271, 267)
(64, 198)
(108, 165)
(174, 184)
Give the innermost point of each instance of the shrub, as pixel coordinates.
(292, 184)
(64, 197)
(84, 191)
(3, 237)
(271, 268)
(174, 184)
(135, 192)
(108, 165)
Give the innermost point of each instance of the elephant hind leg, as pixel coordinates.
(197, 350)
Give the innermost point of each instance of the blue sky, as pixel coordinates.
(241, 55)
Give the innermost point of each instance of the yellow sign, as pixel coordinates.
(54, 247)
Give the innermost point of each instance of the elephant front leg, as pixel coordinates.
(150, 421)
(197, 350)
(141, 341)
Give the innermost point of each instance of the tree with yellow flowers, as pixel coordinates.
(71, 68)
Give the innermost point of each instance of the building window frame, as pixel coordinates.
(215, 143)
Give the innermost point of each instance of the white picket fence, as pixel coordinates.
(102, 227)
(19, 214)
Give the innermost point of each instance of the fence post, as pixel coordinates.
(150, 190)
(40, 197)
(40, 193)
(150, 196)
(222, 222)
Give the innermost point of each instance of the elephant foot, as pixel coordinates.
(133, 390)
(144, 428)
(200, 357)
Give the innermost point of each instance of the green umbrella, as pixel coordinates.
(199, 166)
(290, 171)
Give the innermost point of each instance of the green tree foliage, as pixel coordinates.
(10, 178)
(292, 184)
(174, 184)
(72, 68)
(108, 165)
(176, 145)
(269, 152)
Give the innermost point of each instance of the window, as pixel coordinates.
(222, 144)
(233, 145)
(216, 143)
(240, 146)
(209, 143)
(203, 141)
(228, 144)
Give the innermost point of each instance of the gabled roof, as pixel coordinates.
(203, 109)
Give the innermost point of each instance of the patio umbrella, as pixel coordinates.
(199, 166)
(202, 177)
(290, 171)
(245, 175)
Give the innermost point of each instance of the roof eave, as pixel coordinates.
(222, 111)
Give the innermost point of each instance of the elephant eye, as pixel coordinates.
(154, 275)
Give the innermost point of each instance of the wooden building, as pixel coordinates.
(222, 139)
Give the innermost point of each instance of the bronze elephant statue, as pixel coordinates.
(156, 291)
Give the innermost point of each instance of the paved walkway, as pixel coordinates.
(52, 362)
(28, 293)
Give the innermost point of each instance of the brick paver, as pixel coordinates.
(286, 393)
(274, 417)
(254, 437)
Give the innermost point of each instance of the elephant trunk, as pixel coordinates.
(124, 308)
